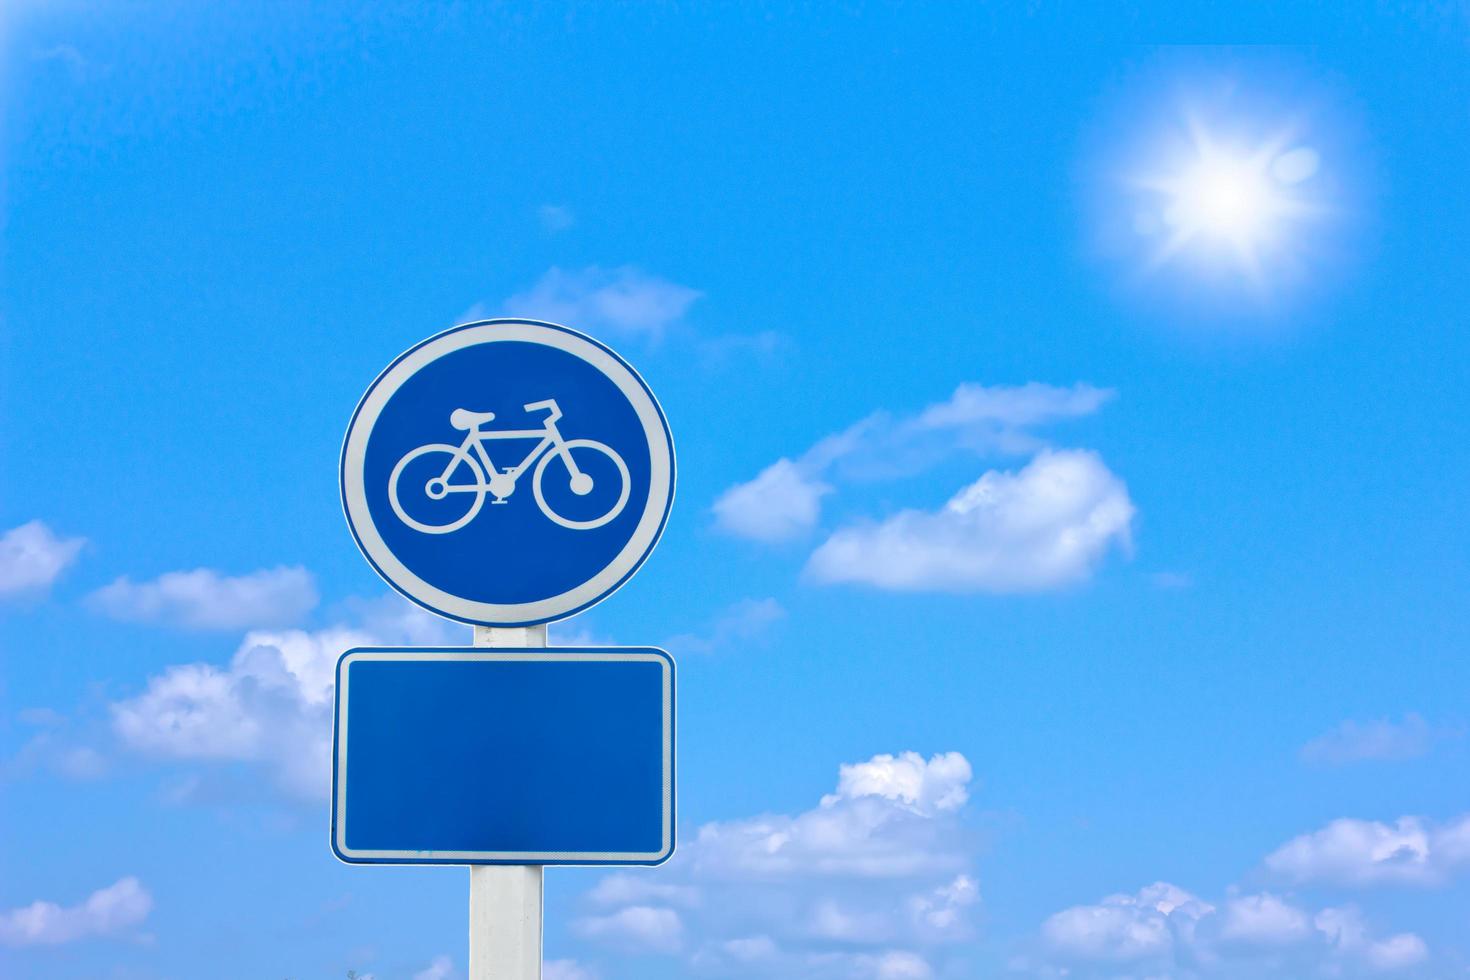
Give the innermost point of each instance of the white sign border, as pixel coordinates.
(612, 576)
(528, 654)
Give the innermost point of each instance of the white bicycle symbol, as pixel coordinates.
(472, 456)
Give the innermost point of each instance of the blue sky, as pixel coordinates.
(1050, 599)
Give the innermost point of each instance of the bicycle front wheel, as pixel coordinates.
(597, 457)
(431, 501)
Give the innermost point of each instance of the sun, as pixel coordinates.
(1221, 198)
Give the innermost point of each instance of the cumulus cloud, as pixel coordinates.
(271, 704)
(781, 503)
(1046, 526)
(1383, 740)
(110, 911)
(1263, 919)
(784, 500)
(32, 557)
(624, 301)
(741, 622)
(926, 788)
(1163, 931)
(891, 817)
(1125, 928)
(1362, 853)
(205, 599)
(872, 881)
(1345, 930)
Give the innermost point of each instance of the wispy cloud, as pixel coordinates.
(76, 63)
(1382, 740)
(624, 301)
(205, 599)
(1043, 527)
(32, 558)
(784, 501)
(636, 927)
(111, 911)
(743, 621)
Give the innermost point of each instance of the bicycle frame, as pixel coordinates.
(548, 438)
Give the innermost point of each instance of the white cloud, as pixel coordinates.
(925, 788)
(1165, 932)
(1124, 928)
(1363, 853)
(742, 621)
(623, 301)
(205, 599)
(1344, 929)
(750, 949)
(32, 557)
(442, 968)
(784, 500)
(1013, 407)
(109, 911)
(1397, 952)
(1381, 740)
(55, 752)
(890, 818)
(901, 965)
(1263, 919)
(566, 970)
(1048, 525)
(882, 864)
(633, 889)
(271, 704)
(637, 927)
(941, 911)
(781, 503)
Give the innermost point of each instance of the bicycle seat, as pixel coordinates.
(463, 418)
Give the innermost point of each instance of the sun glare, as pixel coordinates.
(1218, 198)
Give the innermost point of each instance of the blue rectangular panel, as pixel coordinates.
(504, 756)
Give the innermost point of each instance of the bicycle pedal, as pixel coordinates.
(500, 500)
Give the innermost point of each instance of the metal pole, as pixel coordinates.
(505, 899)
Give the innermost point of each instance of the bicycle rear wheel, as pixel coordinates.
(591, 449)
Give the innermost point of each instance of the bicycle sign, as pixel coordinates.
(472, 456)
(434, 490)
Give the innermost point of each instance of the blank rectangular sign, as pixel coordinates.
(504, 756)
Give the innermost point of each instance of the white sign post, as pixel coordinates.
(506, 899)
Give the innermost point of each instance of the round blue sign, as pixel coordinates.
(507, 472)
